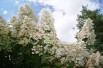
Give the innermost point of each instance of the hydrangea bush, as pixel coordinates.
(32, 43)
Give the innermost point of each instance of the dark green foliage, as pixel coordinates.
(85, 14)
(20, 57)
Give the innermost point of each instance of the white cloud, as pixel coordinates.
(5, 12)
(65, 15)
(17, 2)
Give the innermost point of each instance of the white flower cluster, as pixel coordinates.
(72, 52)
(87, 33)
(46, 20)
(93, 60)
(37, 49)
(23, 26)
(46, 24)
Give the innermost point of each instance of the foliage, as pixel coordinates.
(85, 14)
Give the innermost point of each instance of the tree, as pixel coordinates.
(5, 47)
(97, 19)
(4, 36)
(87, 34)
(23, 39)
(46, 26)
(85, 14)
(46, 23)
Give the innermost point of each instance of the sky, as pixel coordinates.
(64, 13)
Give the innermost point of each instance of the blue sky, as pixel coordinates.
(8, 8)
(64, 12)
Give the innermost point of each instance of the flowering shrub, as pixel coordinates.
(31, 43)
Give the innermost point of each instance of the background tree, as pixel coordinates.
(97, 18)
